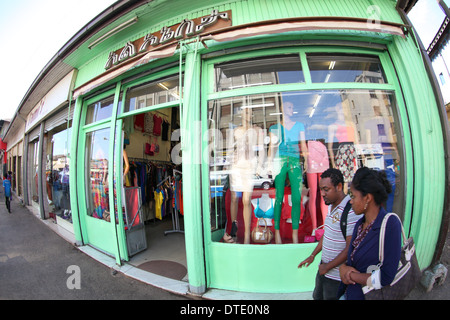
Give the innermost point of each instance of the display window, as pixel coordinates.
(34, 170)
(267, 150)
(96, 160)
(57, 172)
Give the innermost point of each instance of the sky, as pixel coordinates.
(32, 31)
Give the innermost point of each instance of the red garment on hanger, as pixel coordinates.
(139, 122)
(157, 121)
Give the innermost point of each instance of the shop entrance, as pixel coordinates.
(152, 193)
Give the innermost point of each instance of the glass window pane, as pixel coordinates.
(97, 159)
(268, 151)
(345, 68)
(57, 172)
(100, 110)
(34, 169)
(258, 72)
(150, 94)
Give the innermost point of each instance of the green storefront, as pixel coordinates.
(197, 93)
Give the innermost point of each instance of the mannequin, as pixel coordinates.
(126, 167)
(345, 157)
(263, 208)
(318, 162)
(247, 160)
(284, 142)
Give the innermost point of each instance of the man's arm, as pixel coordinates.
(310, 259)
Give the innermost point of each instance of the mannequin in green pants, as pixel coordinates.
(284, 160)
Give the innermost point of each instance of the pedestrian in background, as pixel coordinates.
(7, 189)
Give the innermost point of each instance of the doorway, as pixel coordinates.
(152, 193)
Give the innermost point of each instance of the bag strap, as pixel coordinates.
(344, 219)
(383, 232)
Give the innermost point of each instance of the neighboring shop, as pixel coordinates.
(39, 155)
(195, 126)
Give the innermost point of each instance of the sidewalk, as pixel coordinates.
(34, 264)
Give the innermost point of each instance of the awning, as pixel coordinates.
(319, 23)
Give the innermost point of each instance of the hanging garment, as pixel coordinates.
(159, 198)
(165, 131)
(178, 196)
(139, 120)
(132, 205)
(148, 123)
(157, 121)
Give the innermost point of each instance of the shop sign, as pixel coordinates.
(53, 99)
(184, 30)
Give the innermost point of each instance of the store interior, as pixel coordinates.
(153, 194)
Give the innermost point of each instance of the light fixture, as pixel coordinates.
(163, 86)
(113, 31)
(315, 105)
(258, 106)
(250, 85)
(331, 66)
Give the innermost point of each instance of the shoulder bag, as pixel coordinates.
(408, 272)
(261, 234)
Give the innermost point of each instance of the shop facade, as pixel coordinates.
(232, 109)
(38, 153)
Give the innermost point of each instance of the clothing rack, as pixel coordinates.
(151, 160)
(168, 178)
(176, 228)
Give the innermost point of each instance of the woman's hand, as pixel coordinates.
(345, 273)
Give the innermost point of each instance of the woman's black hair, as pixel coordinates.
(372, 181)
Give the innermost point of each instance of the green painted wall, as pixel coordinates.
(428, 180)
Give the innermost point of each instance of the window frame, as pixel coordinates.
(164, 74)
(209, 94)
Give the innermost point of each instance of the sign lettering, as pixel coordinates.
(186, 29)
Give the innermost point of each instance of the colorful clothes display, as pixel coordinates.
(152, 178)
(100, 200)
(345, 159)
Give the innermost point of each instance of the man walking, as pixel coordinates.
(336, 238)
(7, 188)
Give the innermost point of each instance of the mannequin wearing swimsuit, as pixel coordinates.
(284, 147)
(263, 207)
(247, 160)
